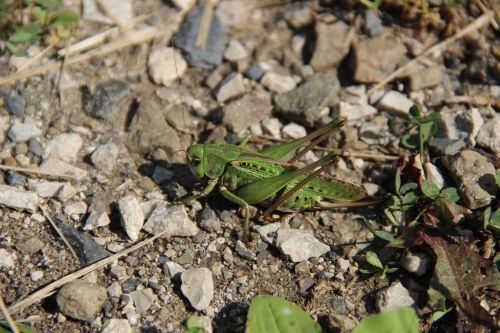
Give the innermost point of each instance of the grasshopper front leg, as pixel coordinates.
(209, 188)
(240, 201)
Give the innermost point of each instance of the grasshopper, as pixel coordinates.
(247, 177)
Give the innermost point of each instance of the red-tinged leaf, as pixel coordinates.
(431, 215)
(411, 169)
(450, 211)
(458, 274)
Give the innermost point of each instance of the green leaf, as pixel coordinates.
(430, 189)
(410, 198)
(193, 325)
(40, 15)
(427, 130)
(390, 216)
(450, 193)
(414, 112)
(392, 321)
(410, 140)
(408, 187)
(397, 182)
(5, 328)
(16, 50)
(372, 259)
(379, 233)
(273, 314)
(486, 217)
(50, 4)
(64, 17)
(26, 34)
(371, 3)
(498, 178)
(391, 270)
(494, 221)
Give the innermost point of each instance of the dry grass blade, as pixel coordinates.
(35, 172)
(50, 288)
(8, 317)
(478, 23)
(59, 232)
(206, 20)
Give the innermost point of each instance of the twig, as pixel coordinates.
(8, 317)
(59, 232)
(476, 24)
(206, 20)
(35, 171)
(50, 288)
(37, 57)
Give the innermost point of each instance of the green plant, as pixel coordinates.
(193, 325)
(392, 321)
(426, 128)
(371, 3)
(442, 310)
(491, 220)
(5, 328)
(44, 21)
(375, 266)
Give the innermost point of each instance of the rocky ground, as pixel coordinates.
(118, 125)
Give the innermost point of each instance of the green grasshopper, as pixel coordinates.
(247, 177)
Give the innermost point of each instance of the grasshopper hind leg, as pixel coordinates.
(240, 201)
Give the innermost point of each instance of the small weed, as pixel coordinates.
(25, 22)
(426, 128)
(375, 266)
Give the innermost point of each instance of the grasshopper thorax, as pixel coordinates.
(211, 159)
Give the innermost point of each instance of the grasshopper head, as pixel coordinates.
(196, 160)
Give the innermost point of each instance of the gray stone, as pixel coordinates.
(489, 136)
(105, 156)
(173, 268)
(76, 208)
(20, 132)
(35, 147)
(64, 147)
(474, 175)
(232, 86)
(376, 57)
(143, 299)
(115, 289)
(173, 219)
(305, 104)
(166, 65)
(268, 231)
(18, 199)
(96, 220)
(14, 178)
(117, 326)
(132, 218)
(86, 248)
(354, 111)
(463, 125)
(417, 263)
(209, 221)
(63, 168)
(272, 126)
(253, 107)
(198, 287)
(254, 73)
(81, 300)
(395, 296)
(161, 174)
(46, 189)
(15, 104)
(185, 39)
(332, 44)
(373, 23)
(298, 14)
(66, 192)
(149, 130)
(396, 102)
(444, 146)
(31, 245)
(293, 131)
(425, 78)
(373, 133)
(243, 251)
(110, 102)
(7, 259)
(235, 51)
(233, 13)
(300, 245)
(278, 83)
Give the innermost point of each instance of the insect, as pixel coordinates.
(267, 177)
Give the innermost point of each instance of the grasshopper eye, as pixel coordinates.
(194, 160)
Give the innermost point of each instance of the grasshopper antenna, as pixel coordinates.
(178, 84)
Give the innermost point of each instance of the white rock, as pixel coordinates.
(184, 5)
(434, 174)
(163, 67)
(117, 326)
(174, 219)
(149, 206)
(293, 131)
(4, 125)
(105, 156)
(396, 102)
(354, 111)
(75, 209)
(417, 263)
(256, 129)
(63, 168)
(235, 51)
(64, 147)
(95, 220)
(298, 42)
(36, 275)
(119, 11)
(343, 264)
(20, 132)
(268, 231)
(13, 197)
(91, 12)
(233, 13)
(354, 95)
(395, 296)
(6, 259)
(67, 192)
(278, 83)
(300, 245)
(174, 268)
(132, 218)
(489, 136)
(230, 87)
(46, 189)
(143, 299)
(371, 188)
(272, 126)
(119, 272)
(115, 289)
(198, 287)
(463, 125)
